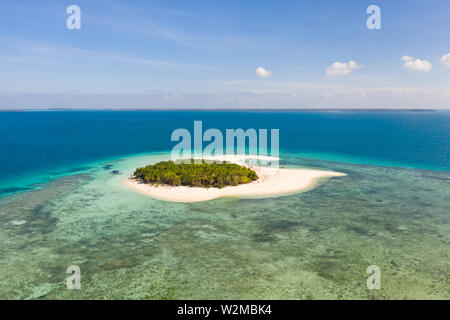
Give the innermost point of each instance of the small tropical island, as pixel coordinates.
(222, 177)
(211, 174)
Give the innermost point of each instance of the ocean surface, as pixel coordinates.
(60, 206)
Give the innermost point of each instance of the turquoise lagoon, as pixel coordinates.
(61, 206)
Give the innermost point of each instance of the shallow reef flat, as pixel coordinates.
(313, 245)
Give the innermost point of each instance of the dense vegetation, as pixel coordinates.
(204, 174)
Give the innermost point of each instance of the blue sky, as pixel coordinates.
(205, 53)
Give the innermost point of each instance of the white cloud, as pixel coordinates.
(262, 73)
(445, 60)
(416, 64)
(342, 69)
(53, 52)
(382, 97)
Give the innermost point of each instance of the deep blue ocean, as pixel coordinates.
(391, 209)
(36, 146)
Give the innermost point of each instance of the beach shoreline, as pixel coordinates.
(272, 182)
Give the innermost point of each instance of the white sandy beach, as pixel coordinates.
(272, 182)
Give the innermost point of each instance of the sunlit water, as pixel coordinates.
(312, 245)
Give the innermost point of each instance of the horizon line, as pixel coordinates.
(20, 109)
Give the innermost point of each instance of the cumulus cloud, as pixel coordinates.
(445, 60)
(342, 69)
(262, 73)
(416, 64)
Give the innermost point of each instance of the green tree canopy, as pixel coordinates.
(204, 174)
